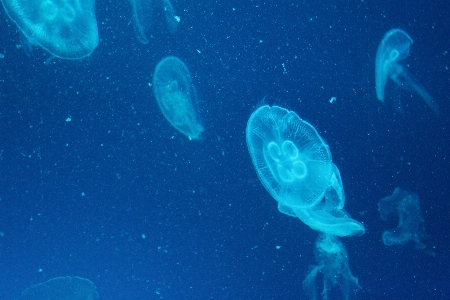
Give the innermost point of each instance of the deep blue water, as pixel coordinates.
(118, 196)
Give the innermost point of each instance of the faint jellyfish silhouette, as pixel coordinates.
(332, 262)
(410, 227)
(171, 18)
(68, 288)
(143, 17)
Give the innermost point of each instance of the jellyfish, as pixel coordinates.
(294, 165)
(393, 48)
(410, 227)
(291, 159)
(176, 96)
(69, 288)
(332, 262)
(143, 17)
(67, 29)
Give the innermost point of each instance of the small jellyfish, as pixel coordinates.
(394, 48)
(176, 96)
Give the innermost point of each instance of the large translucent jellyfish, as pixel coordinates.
(410, 224)
(294, 164)
(67, 29)
(59, 288)
(332, 262)
(290, 158)
(176, 96)
(393, 48)
(143, 17)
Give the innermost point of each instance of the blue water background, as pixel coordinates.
(118, 196)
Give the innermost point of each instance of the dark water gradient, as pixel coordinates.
(117, 196)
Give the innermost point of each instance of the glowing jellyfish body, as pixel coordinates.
(394, 47)
(294, 165)
(67, 29)
(291, 159)
(176, 96)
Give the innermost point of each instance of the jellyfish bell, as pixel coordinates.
(68, 288)
(177, 97)
(291, 159)
(68, 13)
(393, 48)
(66, 29)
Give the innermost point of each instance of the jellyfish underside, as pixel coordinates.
(329, 215)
